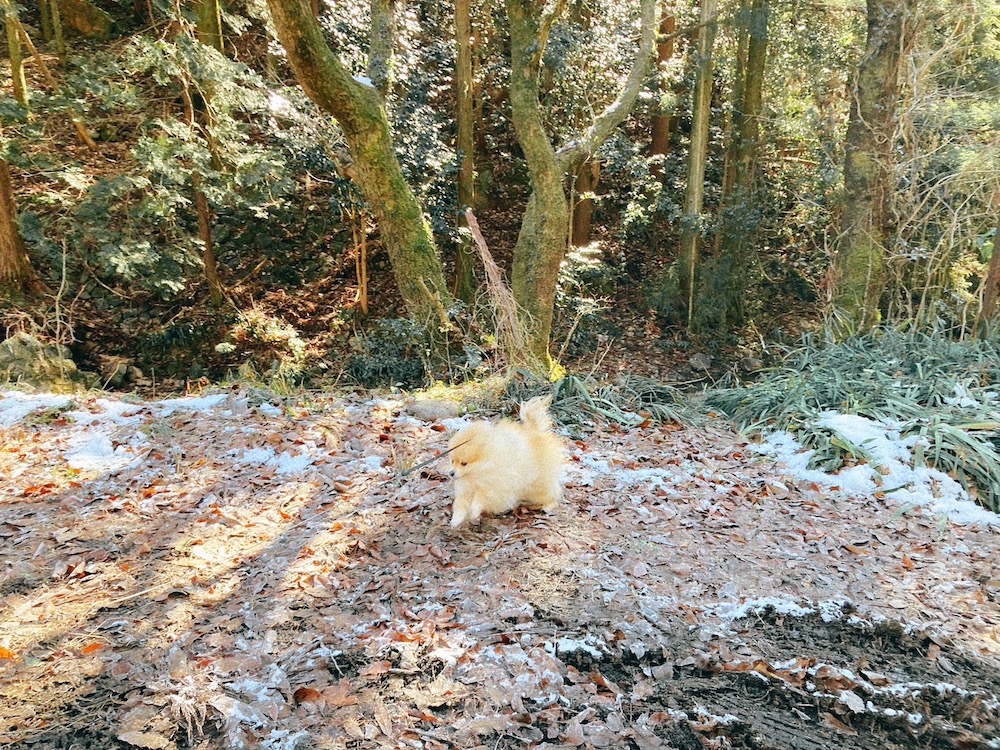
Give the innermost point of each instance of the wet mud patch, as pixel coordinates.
(780, 682)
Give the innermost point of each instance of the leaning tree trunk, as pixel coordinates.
(722, 293)
(544, 236)
(361, 115)
(858, 273)
(690, 245)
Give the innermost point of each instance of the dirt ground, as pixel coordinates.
(259, 575)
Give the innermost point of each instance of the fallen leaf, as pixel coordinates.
(307, 695)
(375, 669)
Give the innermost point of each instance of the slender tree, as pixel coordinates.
(360, 112)
(200, 117)
(465, 277)
(859, 274)
(665, 118)
(544, 235)
(690, 246)
(14, 55)
(722, 291)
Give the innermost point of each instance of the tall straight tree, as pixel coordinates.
(360, 112)
(858, 273)
(16, 272)
(694, 194)
(465, 277)
(544, 235)
(665, 117)
(199, 117)
(722, 291)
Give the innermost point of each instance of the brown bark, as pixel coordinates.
(15, 268)
(664, 122)
(587, 177)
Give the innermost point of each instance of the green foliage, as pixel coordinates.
(932, 386)
(394, 352)
(267, 344)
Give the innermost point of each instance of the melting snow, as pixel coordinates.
(891, 470)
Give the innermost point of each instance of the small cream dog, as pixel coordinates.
(500, 466)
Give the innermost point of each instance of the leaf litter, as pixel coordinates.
(227, 571)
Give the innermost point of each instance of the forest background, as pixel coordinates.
(708, 179)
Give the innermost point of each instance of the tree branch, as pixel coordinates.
(574, 153)
(549, 16)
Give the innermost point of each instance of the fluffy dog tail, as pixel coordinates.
(535, 413)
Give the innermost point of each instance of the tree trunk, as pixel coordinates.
(465, 276)
(209, 15)
(543, 239)
(723, 290)
(18, 82)
(359, 110)
(991, 284)
(688, 258)
(15, 268)
(200, 118)
(587, 177)
(382, 44)
(665, 119)
(859, 275)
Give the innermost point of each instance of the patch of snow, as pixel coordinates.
(15, 406)
(190, 403)
(257, 456)
(286, 463)
(270, 410)
(891, 470)
(94, 451)
(589, 645)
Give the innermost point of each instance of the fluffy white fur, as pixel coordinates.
(500, 466)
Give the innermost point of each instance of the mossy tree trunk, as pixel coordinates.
(722, 291)
(382, 45)
(16, 59)
(209, 14)
(544, 236)
(991, 284)
(859, 274)
(690, 243)
(465, 276)
(360, 112)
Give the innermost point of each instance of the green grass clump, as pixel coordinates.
(928, 384)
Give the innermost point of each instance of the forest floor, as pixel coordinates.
(232, 571)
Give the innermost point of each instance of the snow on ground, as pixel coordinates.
(281, 504)
(891, 473)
